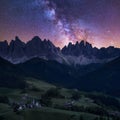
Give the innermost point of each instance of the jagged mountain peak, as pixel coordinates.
(40, 45)
(80, 48)
(16, 42)
(17, 38)
(81, 43)
(3, 48)
(78, 53)
(4, 42)
(36, 38)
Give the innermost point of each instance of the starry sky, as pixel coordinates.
(62, 21)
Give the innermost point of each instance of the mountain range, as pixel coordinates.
(80, 53)
(102, 78)
(79, 66)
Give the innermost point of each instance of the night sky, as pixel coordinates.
(62, 21)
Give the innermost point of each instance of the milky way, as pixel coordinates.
(62, 21)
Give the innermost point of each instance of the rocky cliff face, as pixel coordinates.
(17, 51)
(3, 49)
(79, 53)
(88, 51)
(84, 53)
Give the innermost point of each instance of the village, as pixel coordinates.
(28, 102)
(25, 103)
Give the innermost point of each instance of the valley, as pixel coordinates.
(57, 103)
(50, 84)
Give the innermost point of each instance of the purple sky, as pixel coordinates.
(62, 21)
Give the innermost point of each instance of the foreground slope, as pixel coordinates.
(106, 79)
(86, 106)
(103, 78)
(10, 75)
(50, 71)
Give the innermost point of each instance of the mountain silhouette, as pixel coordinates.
(73, 54)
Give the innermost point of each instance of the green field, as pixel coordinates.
(38, 88)
(43, 113)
